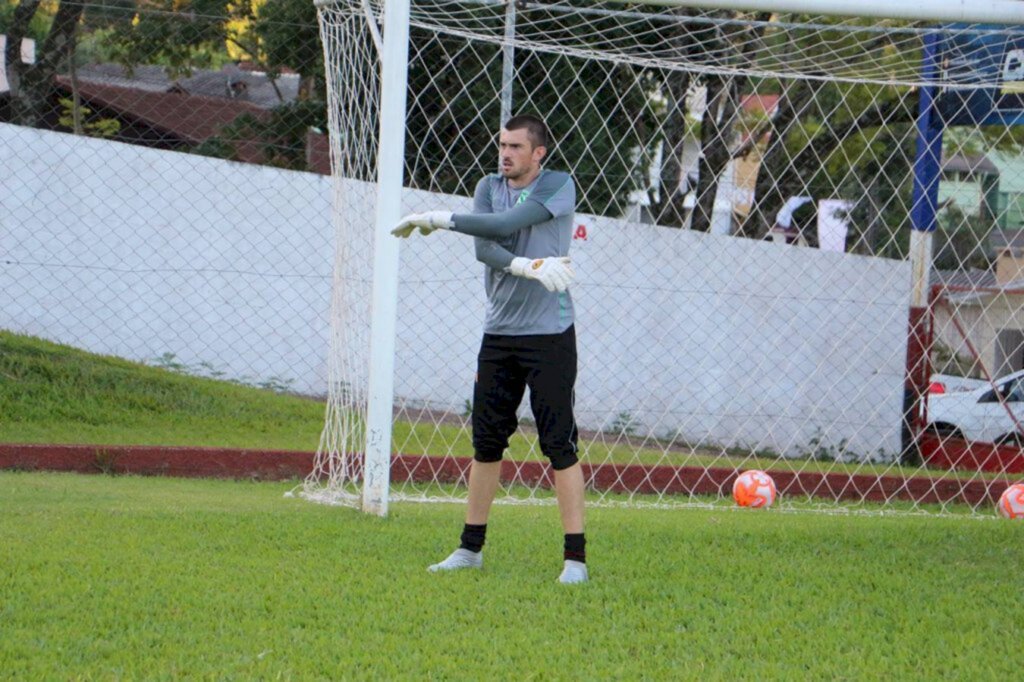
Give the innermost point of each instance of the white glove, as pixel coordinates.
(554, 273)
(427, 222)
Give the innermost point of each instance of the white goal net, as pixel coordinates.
(792, 231)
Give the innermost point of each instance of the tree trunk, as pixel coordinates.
(32, 84)
(864, 243)
(769, 194)
(780, 176)
(76, 97)
(720, 117)
(715, 138)
(14, 65)
(668, 209)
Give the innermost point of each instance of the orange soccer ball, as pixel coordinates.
(754, 488)
(1011, 502)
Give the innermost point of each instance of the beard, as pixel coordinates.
(511, 172)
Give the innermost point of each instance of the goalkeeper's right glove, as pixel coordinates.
(554, 273)
(427, 222)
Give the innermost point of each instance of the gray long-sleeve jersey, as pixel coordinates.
(535, 221)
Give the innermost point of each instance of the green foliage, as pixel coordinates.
(215, 147)
(190, 34)
(945, 361)
(879, 188)
(181, 35)
(38, 27)
(601, 111)
(452, 123)
(971, 141)
(277, 34)
(92, 46)
(821, 449)
(454, 119)
(963, 240)
(107, 13)
(133, 578)
(289, 36)
(844, 139)
(281, 135)
(624, 424)
(91, 125)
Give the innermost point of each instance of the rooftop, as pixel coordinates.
(231, 82)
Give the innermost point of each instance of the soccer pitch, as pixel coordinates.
(126, 578)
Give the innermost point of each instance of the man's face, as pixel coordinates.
(517, 155)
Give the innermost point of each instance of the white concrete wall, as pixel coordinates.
(136, 252)
(720, 340)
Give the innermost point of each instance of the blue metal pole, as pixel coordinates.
(925, 197)
(928, 158)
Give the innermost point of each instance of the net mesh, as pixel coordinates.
(743, 245)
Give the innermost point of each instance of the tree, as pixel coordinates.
(811, 142)
(667, 204)
(179, 35)
(32, 84)
(594, 109)
(722, 110)
(591, 122)
(966, 243)
(276, 35)
(878, 192)
(281, 135)
(148, 31)
(288, 36)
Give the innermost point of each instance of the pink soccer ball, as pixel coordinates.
(754, 488)
(1011, 502)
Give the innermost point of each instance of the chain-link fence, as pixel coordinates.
(786, 225)
(164, 193)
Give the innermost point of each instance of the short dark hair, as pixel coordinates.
(536, 129)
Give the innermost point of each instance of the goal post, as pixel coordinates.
(755, 274)
(394, 57)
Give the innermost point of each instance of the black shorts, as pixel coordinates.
(505, 367)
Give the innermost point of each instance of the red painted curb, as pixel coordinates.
(156, 460)
(620, 478)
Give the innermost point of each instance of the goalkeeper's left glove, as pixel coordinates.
(426, 222)
(556, 273)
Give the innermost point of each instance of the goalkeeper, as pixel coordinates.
(522, 222)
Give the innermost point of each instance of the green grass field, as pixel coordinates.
(50, 393)
(133, 578)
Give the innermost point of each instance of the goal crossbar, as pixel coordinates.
(991, 12)
(1010, 12)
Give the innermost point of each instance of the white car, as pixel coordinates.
(982, 414)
